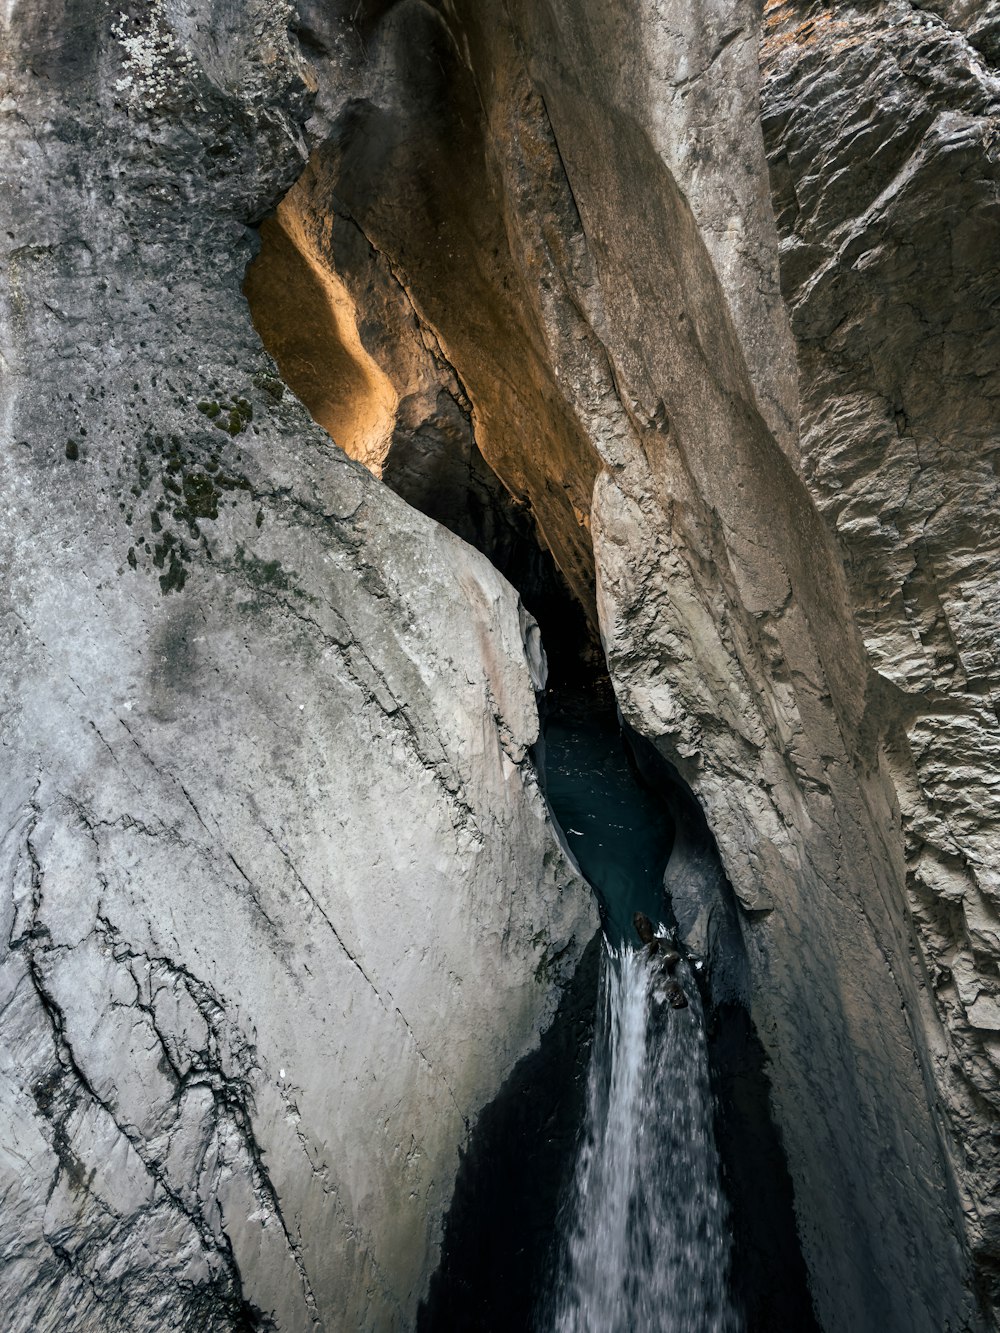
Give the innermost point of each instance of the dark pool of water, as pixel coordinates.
(619, 831)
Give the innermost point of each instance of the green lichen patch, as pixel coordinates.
(232, 415)
(201, 495)
(268, 576)
(171, 555)
(270, 384)
(180, 482)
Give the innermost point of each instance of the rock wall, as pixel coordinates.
(281, 903)
(279, 879)
(577, 202)
(881, 129)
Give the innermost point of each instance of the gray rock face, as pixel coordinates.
(601, 272)
(281, 903)
(881, 129)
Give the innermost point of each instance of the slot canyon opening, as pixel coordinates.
(377, 381)
(349, 342)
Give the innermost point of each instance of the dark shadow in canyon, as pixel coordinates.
(769, 1281)
(623, 812)
(627, 817)
(513, 1175)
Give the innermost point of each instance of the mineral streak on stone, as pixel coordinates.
(281, 903)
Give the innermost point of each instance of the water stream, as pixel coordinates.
(590, 1197)
(644, 1241)
(645, 1238)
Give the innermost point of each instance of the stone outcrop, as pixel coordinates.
(279, 879)
(281, 903)
(576, 200)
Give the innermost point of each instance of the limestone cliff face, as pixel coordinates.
(881, 130)
(281, 903)
(783, 493)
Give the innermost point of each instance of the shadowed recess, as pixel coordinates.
(307, 320)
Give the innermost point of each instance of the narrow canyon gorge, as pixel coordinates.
(500, 779)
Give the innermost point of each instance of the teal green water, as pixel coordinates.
(618, 830)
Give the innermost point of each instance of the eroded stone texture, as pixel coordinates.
(281, 905)
(882, 135)
(596, 174)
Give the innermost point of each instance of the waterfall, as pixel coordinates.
(645, 1246)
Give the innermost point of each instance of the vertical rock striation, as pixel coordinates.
(881, 128)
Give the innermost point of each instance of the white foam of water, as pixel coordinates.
(645, 1241)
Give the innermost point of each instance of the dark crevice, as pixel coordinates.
(623, 812)
(450, 481)
(770, 1285)
(496, 1251)
(631, 823)
(770, 1282)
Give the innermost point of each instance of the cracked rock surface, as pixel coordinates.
(733, 339)
(714, 296)
(281, 905)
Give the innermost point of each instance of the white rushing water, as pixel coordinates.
(645, 1242)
